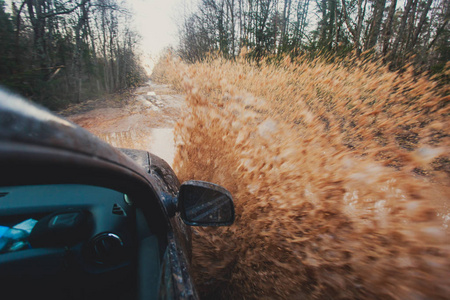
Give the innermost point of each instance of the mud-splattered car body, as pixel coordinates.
(133, 244)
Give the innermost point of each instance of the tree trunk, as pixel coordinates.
(401, 30)
(411, 22)
(387, 32)
(376, 23)
(423, 18)
(233, 28)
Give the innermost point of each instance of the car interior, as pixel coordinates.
(76, 241)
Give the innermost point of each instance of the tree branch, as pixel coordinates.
(347, 20)
(65, 12)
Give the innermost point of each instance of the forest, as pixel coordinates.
(57, 52)
(400, 32)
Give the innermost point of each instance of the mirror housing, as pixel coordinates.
(205, 204)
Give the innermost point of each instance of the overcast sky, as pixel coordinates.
(156, 22)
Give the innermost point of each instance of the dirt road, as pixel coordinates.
(143, 121)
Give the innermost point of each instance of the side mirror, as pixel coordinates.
(205, 204)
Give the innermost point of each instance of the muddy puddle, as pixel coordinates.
(143, 122)
(158, 141)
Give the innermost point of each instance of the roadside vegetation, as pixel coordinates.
(396, 32)
(339, 172)
(62, 52)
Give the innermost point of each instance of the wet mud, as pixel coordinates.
(337, 173)
(143, 120)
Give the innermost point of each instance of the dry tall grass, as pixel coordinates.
(339, 172)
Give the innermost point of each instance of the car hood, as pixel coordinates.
(24, 122)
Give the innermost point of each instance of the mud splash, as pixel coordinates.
(338, 172)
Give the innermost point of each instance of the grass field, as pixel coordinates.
(339, 171)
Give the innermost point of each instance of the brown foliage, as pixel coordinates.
(336, 175)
